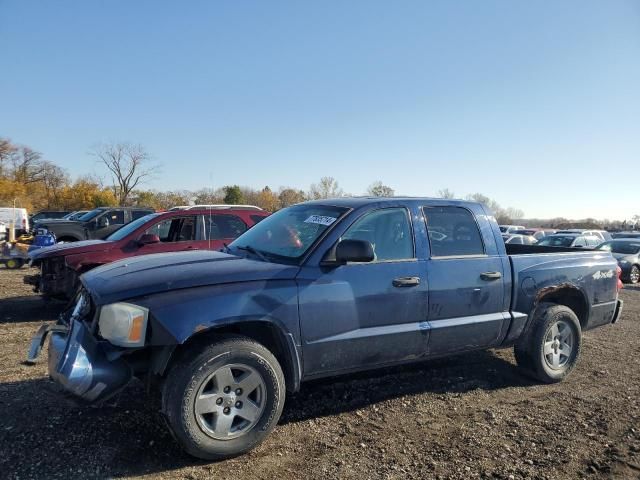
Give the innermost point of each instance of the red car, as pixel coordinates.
(62, 264)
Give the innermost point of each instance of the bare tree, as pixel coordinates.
(379, 189)
(446, 193)
(27, 165)
(54, 179)
(327, 188)
(129, 166)
(7, 151)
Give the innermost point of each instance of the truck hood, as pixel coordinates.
(162, 272)
(55, 221)
(72, 248)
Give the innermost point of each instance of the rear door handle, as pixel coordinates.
(406, 281)
(490, 275)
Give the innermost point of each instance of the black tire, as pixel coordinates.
(540, 351)
(192, 374)
(634, 273)
(14, 263)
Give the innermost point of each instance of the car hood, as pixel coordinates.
(162, 272)
(72, 248)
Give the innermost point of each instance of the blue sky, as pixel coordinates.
(535, 104)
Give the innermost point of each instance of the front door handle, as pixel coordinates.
(490, 275)
(406, 281)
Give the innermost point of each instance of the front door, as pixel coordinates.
(466, 287)
(365, 314)
(175, 234)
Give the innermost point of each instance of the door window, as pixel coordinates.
(580, 242)
(453, 232)
(179, 229)
(389, 232)
(136, 214)
(116, 217)
(224, 226)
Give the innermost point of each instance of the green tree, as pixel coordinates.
(232, 195)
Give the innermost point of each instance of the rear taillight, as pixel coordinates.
(619, 275)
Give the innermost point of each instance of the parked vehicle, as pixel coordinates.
(627, 253)
(603, 235)
(316, 290)
(48, 214)
(61, 265)
(626, 235)
(96, 224)
(574, 240)
(18, 216)
(510, 228)
(75, 215)
(518, 239)
(214, 207)
(537, 233)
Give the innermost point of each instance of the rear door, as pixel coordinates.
(465, 276)
(222, 229)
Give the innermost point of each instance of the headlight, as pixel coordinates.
(123, 324)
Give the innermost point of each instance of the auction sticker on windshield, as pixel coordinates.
(320, 220)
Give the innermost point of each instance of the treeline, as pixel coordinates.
(33, 182)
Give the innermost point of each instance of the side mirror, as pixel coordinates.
(354, 251)
(103, 222)
(148, 238)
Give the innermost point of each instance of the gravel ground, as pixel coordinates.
(469, 416)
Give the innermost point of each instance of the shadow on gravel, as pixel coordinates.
(28, 309)
(45, 434)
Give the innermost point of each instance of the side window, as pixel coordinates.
(180, 229)
(224, 226)
(593, 241)
(516, 240)
(453, 231)
(257, 218)
(388, 230)
(116, 217)
(136, 214)
(580, 242)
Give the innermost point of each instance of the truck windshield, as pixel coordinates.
(90, 215)
(130, 227)
(625, 248)
(289, 233)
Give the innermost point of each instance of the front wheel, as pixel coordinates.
(551, 348)
(225, 399)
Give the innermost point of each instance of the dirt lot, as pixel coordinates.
(471, 416)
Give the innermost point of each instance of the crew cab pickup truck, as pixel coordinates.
(61, 265)
(317, 290)
(96, 224)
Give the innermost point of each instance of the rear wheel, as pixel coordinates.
(634, 274)
(224, 399)
(551, 348)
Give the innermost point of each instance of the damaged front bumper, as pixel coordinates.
(80, 363)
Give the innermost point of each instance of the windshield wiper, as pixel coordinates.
(257, 253)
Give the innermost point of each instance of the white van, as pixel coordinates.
(17, 215)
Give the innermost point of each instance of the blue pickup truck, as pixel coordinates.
(316, 290)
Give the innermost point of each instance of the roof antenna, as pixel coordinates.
(210, 208)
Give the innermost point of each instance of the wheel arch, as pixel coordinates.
(267, 333)
(568, 295)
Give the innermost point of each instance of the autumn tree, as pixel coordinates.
(268, 200)
(379, 189)
(129, 166)
(290, 196)
(327, 188)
